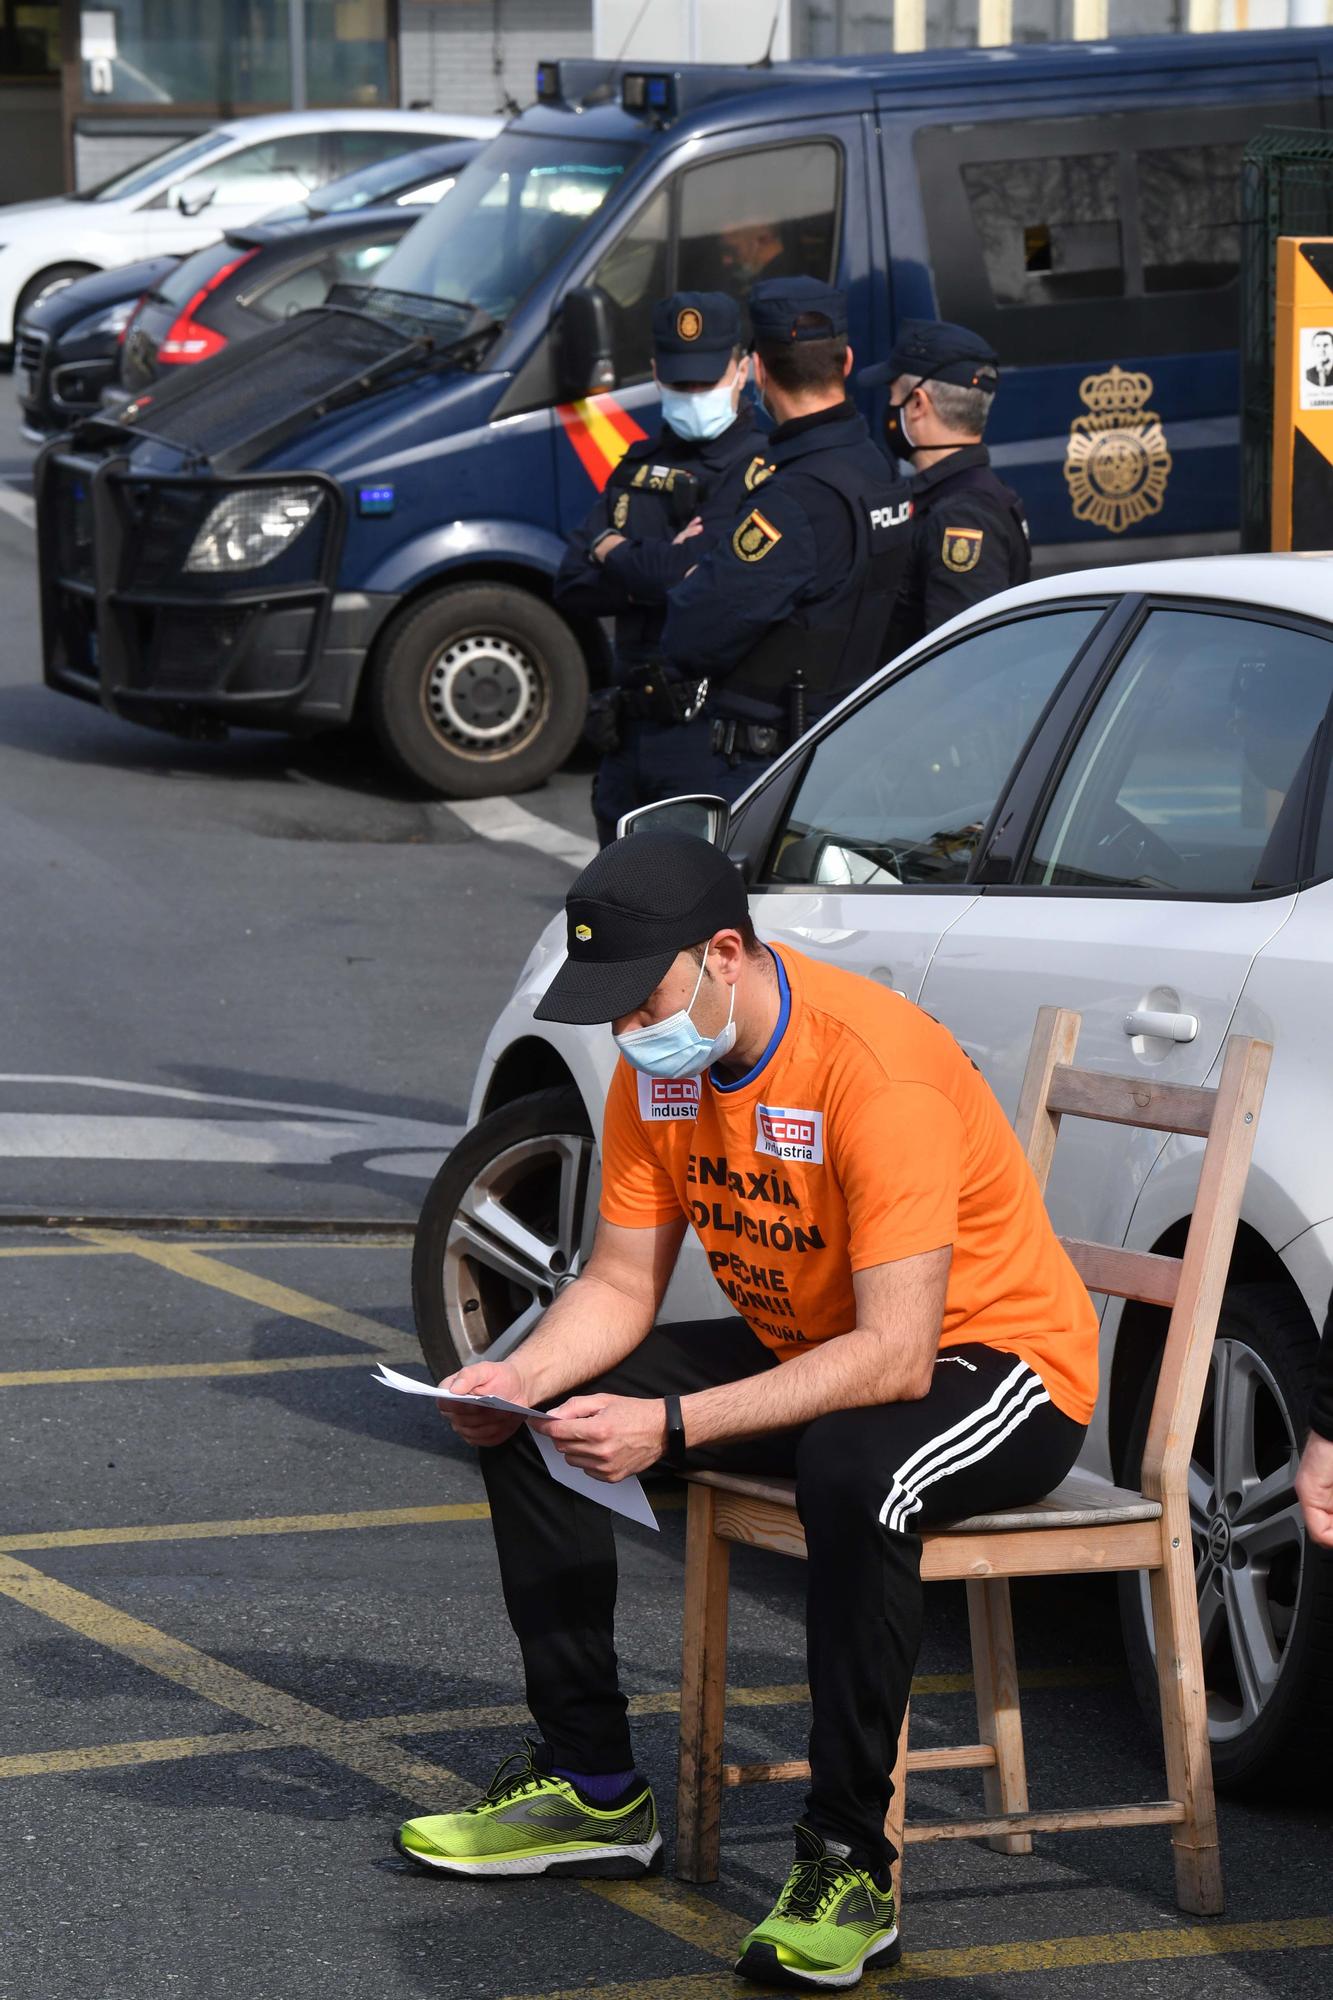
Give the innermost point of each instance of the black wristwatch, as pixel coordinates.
(675, 1434)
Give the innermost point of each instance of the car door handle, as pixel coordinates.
(1166, 1027)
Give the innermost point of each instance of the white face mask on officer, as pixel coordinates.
(675, 1048)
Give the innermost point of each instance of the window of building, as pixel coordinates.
(29, 38)
(234, 53)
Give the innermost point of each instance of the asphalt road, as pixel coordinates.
(248, 1606)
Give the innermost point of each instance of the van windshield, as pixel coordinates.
(515, 208)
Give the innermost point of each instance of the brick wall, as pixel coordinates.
(447, 53)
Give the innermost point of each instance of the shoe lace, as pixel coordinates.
(515, 1777)
(811, 1887)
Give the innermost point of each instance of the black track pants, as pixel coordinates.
(986, 1436)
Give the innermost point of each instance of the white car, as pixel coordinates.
(197, 191)
(1111, 791)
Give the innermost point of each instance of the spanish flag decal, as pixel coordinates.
(601, 432)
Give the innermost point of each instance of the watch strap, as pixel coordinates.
(675, 1434)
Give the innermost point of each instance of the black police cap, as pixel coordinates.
(784, 310)
(637, 904)
(937, 351)
(695, 335)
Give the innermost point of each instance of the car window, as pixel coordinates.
(1049, 228)
(769, 214)
(298, 158)
(310, 283)
(633, 276)
(901, 789)
(1194, 763)
(196, 273)
(352, 150)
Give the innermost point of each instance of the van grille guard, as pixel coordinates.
(249, 399)
(125, 623)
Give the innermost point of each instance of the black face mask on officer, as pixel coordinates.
(896, 434)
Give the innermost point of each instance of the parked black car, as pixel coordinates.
(67, 349)
(235, 288)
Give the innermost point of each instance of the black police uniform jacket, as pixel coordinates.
(969, 539)
(659, 485)
(805, 578)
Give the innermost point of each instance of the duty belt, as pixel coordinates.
(660, 700)
(733, 740)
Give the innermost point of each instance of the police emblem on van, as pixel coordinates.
(788, 1134)
(1117, 464)
(667, 1097)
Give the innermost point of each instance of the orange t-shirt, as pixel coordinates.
(866, 1136)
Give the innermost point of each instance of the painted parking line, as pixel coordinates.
(204, 1371)
(506, 820)
(210, 1270)
(401, 1241)
(275, 1524)
(17, 505)
(1059, 1954)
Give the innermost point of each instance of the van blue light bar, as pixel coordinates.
(655, 93)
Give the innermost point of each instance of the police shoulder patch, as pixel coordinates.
(756, 472)
(620, 512)
(755, 536)
(961, 548)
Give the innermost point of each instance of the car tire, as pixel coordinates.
(53, 279)
(478, 690)
(1266, 1622)
(506, 1224)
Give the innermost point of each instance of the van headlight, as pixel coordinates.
(251, 527)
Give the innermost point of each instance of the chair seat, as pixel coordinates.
(1080, 1501)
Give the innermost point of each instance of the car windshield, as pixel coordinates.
(384, 181)
(513, 211)
(176, 162)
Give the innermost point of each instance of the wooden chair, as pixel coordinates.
(1084, 1526)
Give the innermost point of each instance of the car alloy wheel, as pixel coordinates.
(506, 1225)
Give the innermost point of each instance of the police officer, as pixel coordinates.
(625, 557)
(787, 612)
(969, 531)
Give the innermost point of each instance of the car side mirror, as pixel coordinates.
(192, 197)
(586, 349)
(703, 814)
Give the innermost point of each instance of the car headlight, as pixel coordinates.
(116, 318)
(250, 528)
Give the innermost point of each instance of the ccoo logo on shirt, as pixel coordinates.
(788, 1134)
(668, 1097)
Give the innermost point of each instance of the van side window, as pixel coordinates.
(771, 214)
(634, 275)
(1189, 217)
(1049, 228)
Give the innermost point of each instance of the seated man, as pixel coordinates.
(913, 1344)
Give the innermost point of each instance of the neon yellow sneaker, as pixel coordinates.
(828, 1922)
(530, 1823)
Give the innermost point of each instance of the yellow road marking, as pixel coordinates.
(281, 1299)
(184, 1371)
(687, 1914)
(228, 1688)
(255, 1243)
(265, 1524)
(996, 1960)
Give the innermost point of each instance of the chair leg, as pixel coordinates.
(1183, 1697)
(703, 1693)
(999, 1718)
(895, 1819)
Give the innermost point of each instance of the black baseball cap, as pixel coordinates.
(937, 350)
(642, 900)
(695, 335)
(786, 310)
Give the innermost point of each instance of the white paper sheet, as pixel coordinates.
(624, 1496)
(391, 1379)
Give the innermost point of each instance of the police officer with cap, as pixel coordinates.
(969, 531)
(623, 560)
(787, 611)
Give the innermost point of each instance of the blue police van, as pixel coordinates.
(357, 516)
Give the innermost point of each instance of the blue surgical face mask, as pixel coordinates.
(674, 1047)
(699, 417)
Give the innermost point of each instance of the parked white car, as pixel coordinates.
(197, 191)
(1111, 791)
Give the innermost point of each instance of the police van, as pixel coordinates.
(359, 514)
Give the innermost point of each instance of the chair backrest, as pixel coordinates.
(1191, 1284)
